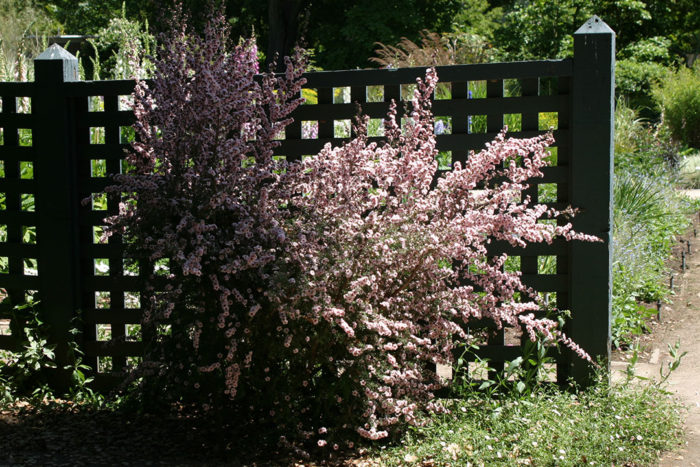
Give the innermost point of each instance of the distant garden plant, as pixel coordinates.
(679, 99)
(312, 299)
(649, 215)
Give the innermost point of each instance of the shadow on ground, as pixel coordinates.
(73, 438)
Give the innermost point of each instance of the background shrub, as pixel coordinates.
(122, 50)
(636, 80)
(679, 99)
(641, 146)
(640, 67)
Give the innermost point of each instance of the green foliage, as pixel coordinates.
(22, 24)
(343, 33)
(628, 18)
(651, 49)
(640, 67)
(679, 99)
(88, 17)
(646, 31)
(26, 371)
(635, 81)
(477, 17)
(434, 50)
(674, 351)
(648, 214)
(629, 317)
(628, 127)
(520, 377)
(608, 424)
(122, 49)
(26, 374)
(679, 21)
(541, 29)
(640, 147)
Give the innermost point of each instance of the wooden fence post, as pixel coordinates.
(590, 190)
(56, 200)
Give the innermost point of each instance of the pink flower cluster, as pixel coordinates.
(314, 296)
(400, 269)
(201, 191)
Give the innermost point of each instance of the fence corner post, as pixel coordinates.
(56, 202)
(590, 191)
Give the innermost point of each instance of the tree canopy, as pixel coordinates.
(343, 34)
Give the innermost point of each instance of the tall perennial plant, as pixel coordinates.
(313, 298)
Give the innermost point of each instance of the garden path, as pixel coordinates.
(679, 321)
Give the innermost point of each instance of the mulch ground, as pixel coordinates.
(66, 436)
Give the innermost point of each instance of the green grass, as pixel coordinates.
(605, 425)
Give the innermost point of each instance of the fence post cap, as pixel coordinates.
(595, 25)
(53, 55)
(56, 52)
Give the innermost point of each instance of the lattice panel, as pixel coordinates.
(111, 284)
(19, 266)
(60, 139)
(471, 105)
(469, 112)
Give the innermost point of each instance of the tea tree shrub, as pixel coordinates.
(199, 200)
(307, 302)
(385, 262)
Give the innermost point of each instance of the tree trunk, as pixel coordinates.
(284, 20)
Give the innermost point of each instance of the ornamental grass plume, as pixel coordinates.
(310, 300)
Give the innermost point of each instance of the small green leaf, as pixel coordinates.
(486, 384)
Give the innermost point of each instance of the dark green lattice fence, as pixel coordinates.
(61, 137)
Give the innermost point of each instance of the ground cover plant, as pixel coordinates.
(310, 300)
(608, 424)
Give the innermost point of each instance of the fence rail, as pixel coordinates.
(60, 138)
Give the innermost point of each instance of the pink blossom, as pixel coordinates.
(362, 250)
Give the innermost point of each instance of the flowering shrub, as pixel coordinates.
(392, 270)
(199, 203)
(312, 298)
